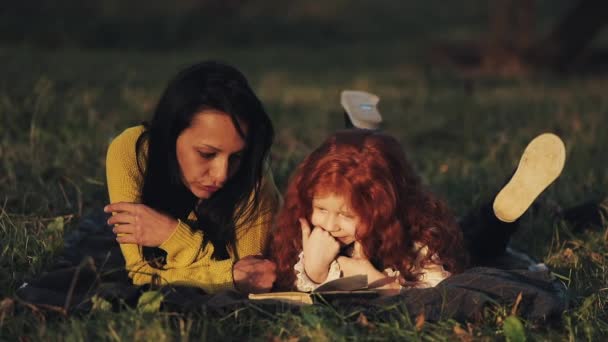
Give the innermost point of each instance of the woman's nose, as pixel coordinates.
(219, 171)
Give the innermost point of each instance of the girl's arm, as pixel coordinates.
(303, 281)
(320, 250)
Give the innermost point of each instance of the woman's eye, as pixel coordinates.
(207, 155)
(346, 216)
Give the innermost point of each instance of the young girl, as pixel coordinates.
(359, 208)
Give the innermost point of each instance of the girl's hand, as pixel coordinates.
(320, 250)
(252, 274)
(140, 224)
(354, 266)
(375, 279)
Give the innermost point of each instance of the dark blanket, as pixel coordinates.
(464, 296)
(92, 265)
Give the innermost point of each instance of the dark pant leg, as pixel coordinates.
(485, 236)
(347, 122)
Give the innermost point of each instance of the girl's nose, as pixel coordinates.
(331, 225)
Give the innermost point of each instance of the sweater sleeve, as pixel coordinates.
(191, 265)
(187, 262)
(124, 182)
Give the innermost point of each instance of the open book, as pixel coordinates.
(354, 286)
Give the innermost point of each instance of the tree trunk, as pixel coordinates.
(571, 36)
(511, 32)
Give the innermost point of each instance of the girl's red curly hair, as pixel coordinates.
(371, 170)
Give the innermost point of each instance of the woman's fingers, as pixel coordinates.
(127, 238)
(123, 229)
(121, 219)
(254, 275)
(121, 207)
(148, 227)
(126, 233)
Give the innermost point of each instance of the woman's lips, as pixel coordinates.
(210, 188)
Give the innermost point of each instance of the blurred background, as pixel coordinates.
(539, 31)
(451, 75)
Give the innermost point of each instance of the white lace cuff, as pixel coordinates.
(304, 283)
(432, 272)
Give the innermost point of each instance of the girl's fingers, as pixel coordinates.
(121, 219)
(305, 231)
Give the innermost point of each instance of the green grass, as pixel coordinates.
(59, 110)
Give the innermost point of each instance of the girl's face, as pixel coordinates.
(209, 152)
(333, 213)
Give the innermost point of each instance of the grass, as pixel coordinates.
(60, 108)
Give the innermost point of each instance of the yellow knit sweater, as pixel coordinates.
(187, 262)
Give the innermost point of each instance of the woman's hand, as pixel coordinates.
(252, 274)
(320, 250)
(140, 224)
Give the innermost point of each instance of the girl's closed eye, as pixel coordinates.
(347, 216)
(320, 209)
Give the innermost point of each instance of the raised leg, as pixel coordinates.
(541, 163)
(488, 229)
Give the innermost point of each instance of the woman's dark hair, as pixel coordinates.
(215, 86)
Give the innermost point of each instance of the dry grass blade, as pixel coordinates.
(420, 319)
(7, 307)
(462, 334)
(516, 305)
(364, 322)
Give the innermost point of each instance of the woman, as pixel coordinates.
(193, 183)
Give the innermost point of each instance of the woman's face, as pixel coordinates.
(333, 213)
(209, 152)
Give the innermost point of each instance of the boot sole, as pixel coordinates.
(361, 109)
(540, 164)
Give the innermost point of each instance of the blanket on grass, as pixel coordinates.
(91, 268)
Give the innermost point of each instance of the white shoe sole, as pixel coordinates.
(361, 108)
(540, 164)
